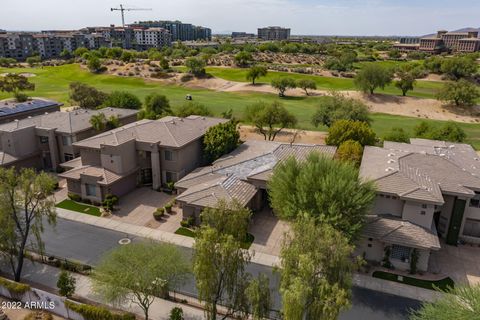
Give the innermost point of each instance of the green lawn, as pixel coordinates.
(423, 89)
(442, 284)
(79, 207)
(52, 82)
(190, 233)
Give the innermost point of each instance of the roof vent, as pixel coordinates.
(391, 161)
(442, 154)
(389, 169)
(391, 154)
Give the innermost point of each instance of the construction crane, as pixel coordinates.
(122, 11)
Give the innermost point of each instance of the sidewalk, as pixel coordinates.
(360, 280)
(45, 277)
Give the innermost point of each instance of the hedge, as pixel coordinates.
(14, 287)
(90, 312)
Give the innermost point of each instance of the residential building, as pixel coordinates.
(44, 141)
(146, 152)
(13, 110)
(180, 31)
(426, 189)
(151, 38)
(242, 35)
(241, 175)
(274, 33)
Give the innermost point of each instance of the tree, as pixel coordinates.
(434, 64)
(193, 108)
(65, 54)
(258, 293)
(66, 284)
(195, 66)
(139, 272)
(127, 56)
(269, 119)
(176, 314)
(79, 52)
(256, 72)
(397, 134)
(306, 84)
(457, 303)
(15, 83)
(219, 265)
(460, 93)
(282, 84)
(459, 67)
(155, 106)
(351, 151)
(98, 121)
(405, 82)
(450, 131)
(394, 54)
(243, 58)
(25, 204)
(323, 188)
(94, 65)
(33, 60)
(228, 218)
(122, 99)
(220, 139)
(341, 62)
(338, 107)
(343, 130)
(316, 271)
(86, 96)
(114, 53)
(371, 77)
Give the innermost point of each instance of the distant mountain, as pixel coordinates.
(468, 30)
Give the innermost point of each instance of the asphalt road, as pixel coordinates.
(87, 244)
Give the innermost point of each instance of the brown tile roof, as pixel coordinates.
(393, 230)
(168, 131)
(104, 176)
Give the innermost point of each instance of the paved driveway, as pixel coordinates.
(268, 232)
(461, 263)
(137, 208)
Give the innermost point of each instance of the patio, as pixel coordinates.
(268, 231)
(137, 208)
(461, 263)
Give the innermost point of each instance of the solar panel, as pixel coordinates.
(9, 108)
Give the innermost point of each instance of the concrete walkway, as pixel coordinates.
(360, 280)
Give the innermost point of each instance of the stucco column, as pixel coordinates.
(156, 173)
(52, 146)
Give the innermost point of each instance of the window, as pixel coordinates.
(475, 201)
(400, 252)
(170, 176)
(91, 189)
(424, 206)
(66, 140)
(68, 156)
(43, 139)
(472, 228)
(168, 155)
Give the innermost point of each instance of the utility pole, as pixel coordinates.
(122, 11)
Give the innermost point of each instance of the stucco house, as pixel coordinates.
(46, 140)
(146, 152)
(426, 189)
(241, 175)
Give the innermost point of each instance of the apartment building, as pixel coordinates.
(453, 41)
(12, 110)
(273, 33)
(44, 141)
(242, 35)
(241, 175)
(180, 31)
(146, 152)
(426, 190)
(151, 38)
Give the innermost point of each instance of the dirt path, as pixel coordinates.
(286, 135)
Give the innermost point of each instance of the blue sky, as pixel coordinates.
(346, 17)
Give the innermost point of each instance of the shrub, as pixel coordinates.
(110, 201)
(168, 207)
(39, 315)
(176, 314)
(66, 284)
(159, 213)
(344, 130)
(90, 312)
(186, 77)
(74, 196)
(21, 97)
(15, 288)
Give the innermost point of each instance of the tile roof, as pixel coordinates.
(393, 230)
(168, 131)
(423, 170)
(104, 176)
(65, 121)
(251, 160)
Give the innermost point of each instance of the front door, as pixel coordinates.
(455, 221)
(146, 176)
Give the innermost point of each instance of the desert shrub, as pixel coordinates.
(74, 196)
(90, 312)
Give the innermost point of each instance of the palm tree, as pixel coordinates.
(98, 121)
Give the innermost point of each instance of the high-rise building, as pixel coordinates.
(180, 31)
(274, 33)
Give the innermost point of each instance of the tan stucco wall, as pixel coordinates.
(412, 212)
(383, 205)
(20, 142)
(119, 159)
(90, 156)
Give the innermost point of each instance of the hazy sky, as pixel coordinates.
(347, 17)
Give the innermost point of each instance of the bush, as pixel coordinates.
(39, 315)
(397, 134)
(123, 99)
(186, 77)
(15, 288)
(168, 207)
(90, 312)
(74, 197)
(176, 314)
(188, 223)
(66, 284)
(344, 130)
(350, 151)
(110, 201)
(159, 213)
(21, 97)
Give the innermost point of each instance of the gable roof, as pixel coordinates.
(394, 230)
(422, 170)
(65, 121)
(168, 131)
